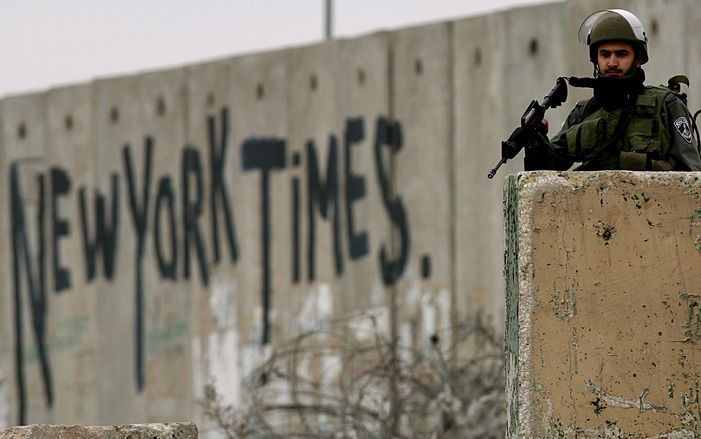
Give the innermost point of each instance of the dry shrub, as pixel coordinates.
(342, 381)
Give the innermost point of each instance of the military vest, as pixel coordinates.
(645, 132)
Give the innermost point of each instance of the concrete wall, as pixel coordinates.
(603, 321)
(164, 230)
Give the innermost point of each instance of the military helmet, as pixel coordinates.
(610, 25)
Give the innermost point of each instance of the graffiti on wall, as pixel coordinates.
(179, 242)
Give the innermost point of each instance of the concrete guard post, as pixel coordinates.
(603, 274)
(176, 430)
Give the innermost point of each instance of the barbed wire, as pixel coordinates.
(339, 381)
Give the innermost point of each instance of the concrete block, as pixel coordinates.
(175, 430)
(174, 259)
(338, 108)
(422, 103)
(213, 319)
(26, 382)
(24, 126)
(232, 102)
(143, 316)
(363, 109)
(313, 123)
(603, 296)
(532, 60)
(479, 51)
(116, 120)
(72, 294)
(263, 201)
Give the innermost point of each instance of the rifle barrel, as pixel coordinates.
(493, 172)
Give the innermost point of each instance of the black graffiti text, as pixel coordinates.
(333, 191)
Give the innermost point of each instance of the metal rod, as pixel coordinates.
(329, 20)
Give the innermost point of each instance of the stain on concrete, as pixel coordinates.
(605, 231)
(601, 190)
(599, 406)
(224, 357)
(172, 335)
(690, 406)
(692, 328)
(69, 334)
(221, 301)
(565, 302)
(621, 402)
(637, 200)
(316, 310)
(695, 217)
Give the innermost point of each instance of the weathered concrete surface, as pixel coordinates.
(116, 116)
(423, 175)
(604, 290)
(479, 46)
(71, 341)
(215, 317)
(175, 430)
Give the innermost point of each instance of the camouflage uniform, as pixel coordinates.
(626, 125)
(658, 137)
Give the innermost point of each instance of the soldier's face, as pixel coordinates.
(616, 59)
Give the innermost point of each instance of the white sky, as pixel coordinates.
(44, 43)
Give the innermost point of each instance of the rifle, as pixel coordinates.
(530, 123)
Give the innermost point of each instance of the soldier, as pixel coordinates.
(625, 125)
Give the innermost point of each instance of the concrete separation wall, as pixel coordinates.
(166, 230)
(603, 299)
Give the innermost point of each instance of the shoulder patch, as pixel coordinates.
(684, 128)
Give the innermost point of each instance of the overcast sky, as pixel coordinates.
(44, 43)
